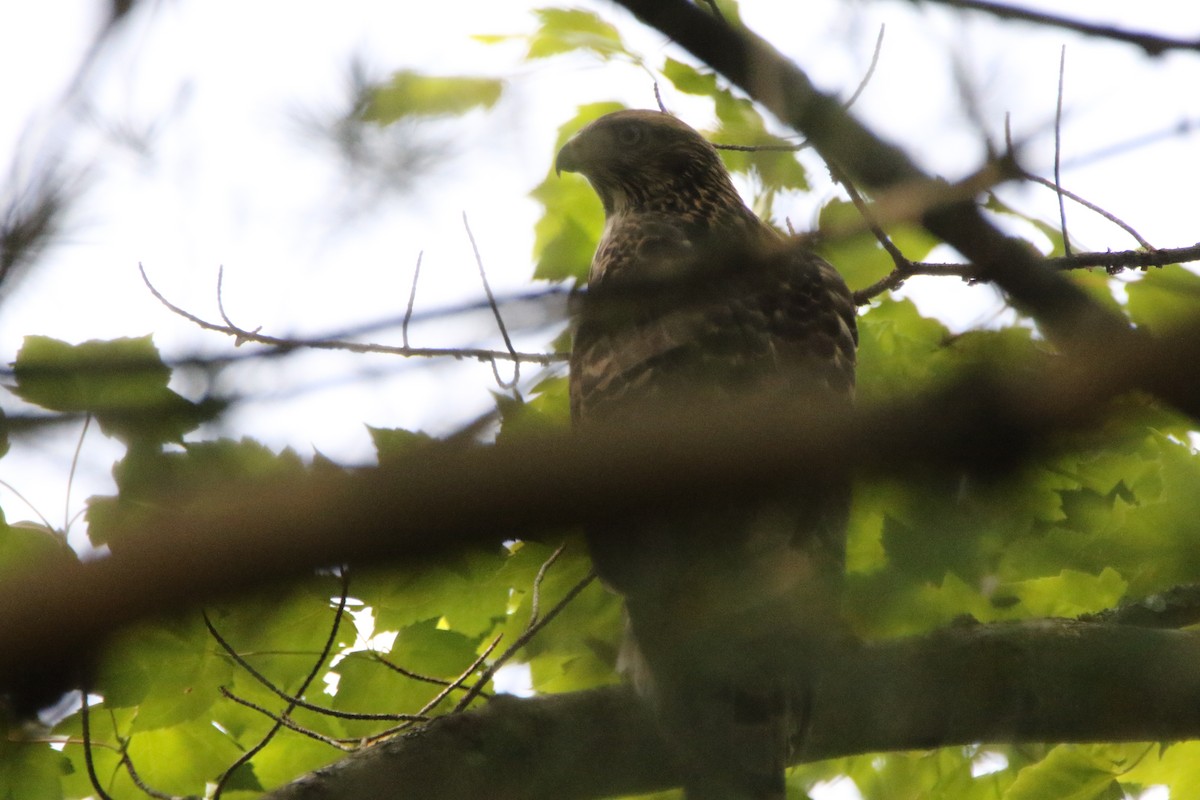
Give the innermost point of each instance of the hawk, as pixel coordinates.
(693, 299)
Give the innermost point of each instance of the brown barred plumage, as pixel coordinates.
(690, 298)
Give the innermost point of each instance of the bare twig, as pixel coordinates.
(289, 723)
(487, 288)
(658, 99)
(22, 497)
(523, 639)
(535, 601)
(87, 423)
(1153, 44)
(1062, 208)
(1111, 262)
(242, 336)
(304, 684)
(462, 678)
(1113, 218)
(453, 685)
(287, 345)
(1063, 192)
(792, 148)
(1183, 127)
(294, 699)
(866, 78)
(85, 724)
(902, 263)
(412, 299)
(408, 673)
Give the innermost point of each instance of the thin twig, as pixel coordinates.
(412, 299)
(1062, 208)
(287, 345)
(658, 99)
(312, 675)
(1061, 191)
(85, 723)
(292, 699)
(487, 289)
(22, 497)
(289, 723)
(87, 423)
(902, 263)
(1111, 262)
(537, 583)
(1113, 218)
(462, 678)
(862, 84)
(792, 148)
(522, 640)
(244, 336)
(451, 686)
(416, 676)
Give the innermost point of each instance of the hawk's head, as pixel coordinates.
(648, 160)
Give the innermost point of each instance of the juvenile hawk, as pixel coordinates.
(691, 299)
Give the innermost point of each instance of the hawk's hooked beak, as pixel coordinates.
(567, 159)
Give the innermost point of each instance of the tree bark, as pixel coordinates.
(1049, 680)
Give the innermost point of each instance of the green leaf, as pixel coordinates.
(28, 544)
(31, 771)
(1175, 764)
(413, 94)
(393, 444)
(688, 79)
(545, 408)
(897, 349)
(578, 648)
(1070, 772)
(1164, 298)
(1070, 593)
(181, 759)
(562, 30)
(122, 382)
(466, 590)
(149, 480)
(169, 671)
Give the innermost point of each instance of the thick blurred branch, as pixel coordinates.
(1020, 682)
(229, 538)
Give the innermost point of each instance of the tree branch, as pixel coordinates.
(1111, 262)
(1153, 44)
(1012, 682)
(1063, 309)
(188, 549)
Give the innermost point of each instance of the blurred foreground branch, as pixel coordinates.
(189, 549)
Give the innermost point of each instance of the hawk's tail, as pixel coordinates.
(733, 732)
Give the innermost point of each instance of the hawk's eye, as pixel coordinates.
(629, 135)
